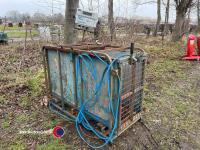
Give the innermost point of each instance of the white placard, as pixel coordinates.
(86, 18)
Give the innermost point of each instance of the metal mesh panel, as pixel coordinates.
(127, 78)
(139, 81)
(64, 89)
(127, 110)
(132, 77)
(139, 73)
(127, 91)
(138, 101)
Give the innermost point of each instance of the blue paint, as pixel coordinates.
(85, 81)
(60, 132)
(101, 105)
(101, 108)
(116, 54)
(67, 71)
(54, 72)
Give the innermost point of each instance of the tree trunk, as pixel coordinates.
(166, 17)
(182, 7)
(198, 15)
(111, 20)
(158, 18)
(177, 33)
(70, 12)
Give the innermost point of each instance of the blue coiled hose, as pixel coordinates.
(86, 103)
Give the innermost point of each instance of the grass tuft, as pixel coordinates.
(36, 83)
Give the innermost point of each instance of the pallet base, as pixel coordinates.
(57, 109)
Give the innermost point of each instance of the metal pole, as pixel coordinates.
(98, 7)
(52, 11)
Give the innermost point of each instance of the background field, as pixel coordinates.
(171, 101)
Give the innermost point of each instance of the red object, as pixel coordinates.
(198, 45)
(191, 47)
(58, 132)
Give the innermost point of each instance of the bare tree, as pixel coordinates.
(198, 15)
(141, 2)
(58, 18)
(111, 20)
(70, 12)
(39, 17)
(13, 15)
(166, 17)
(182, 7)
(158, 17)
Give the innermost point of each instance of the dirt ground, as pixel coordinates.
(171, 102)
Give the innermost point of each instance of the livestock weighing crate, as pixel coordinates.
(68, 91)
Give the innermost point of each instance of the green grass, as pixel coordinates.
(15, 27)
(21, 34)
(5, 124)
(35, 83)
(18, 32)
(18, 145)
(2, 99)
(54, 144)
(24, 102)
(168, 95)
(22, 118)
(165, 98)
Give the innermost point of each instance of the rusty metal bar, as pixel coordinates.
(48, 70)
(61, 84)
(45, 68)
(131, 77)
(75, 83)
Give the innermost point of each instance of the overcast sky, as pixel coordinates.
(121, 7)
